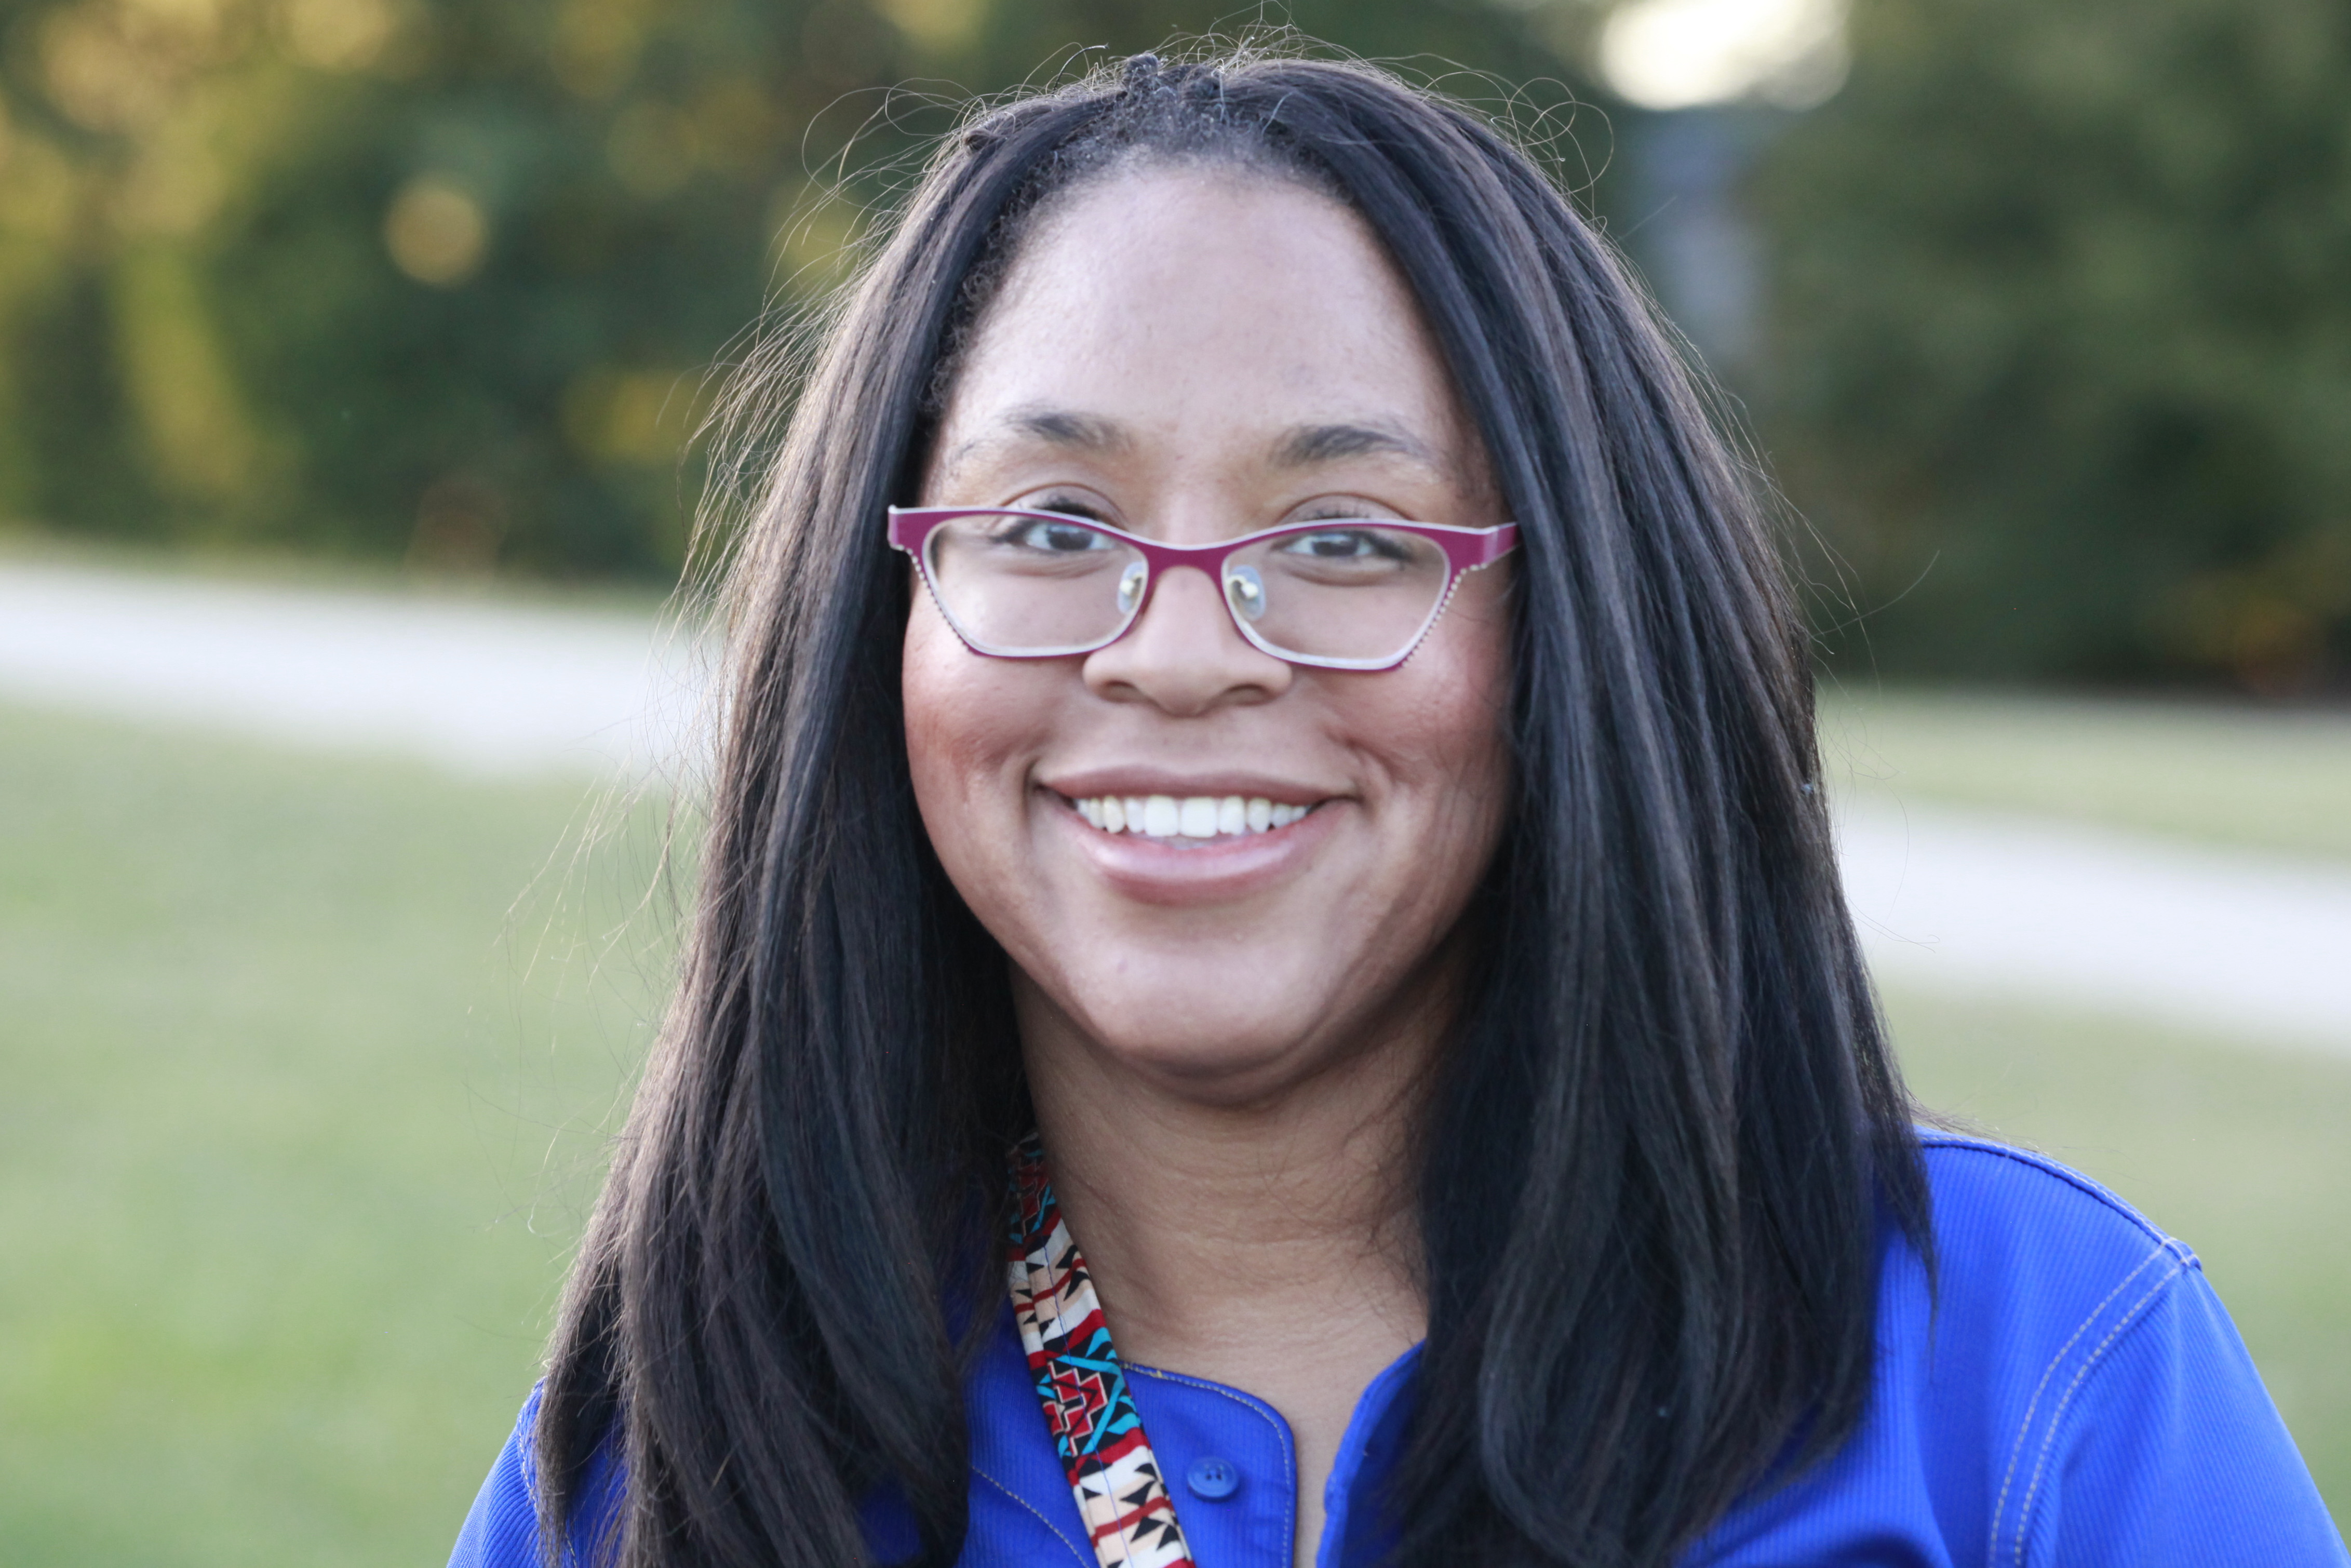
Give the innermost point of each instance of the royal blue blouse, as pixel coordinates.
(2073, 1395)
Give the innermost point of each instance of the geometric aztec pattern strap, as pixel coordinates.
(1120, 1494)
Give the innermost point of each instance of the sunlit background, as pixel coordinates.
(354, 356)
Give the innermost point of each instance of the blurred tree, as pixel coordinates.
(2059, 355)
(441, 279)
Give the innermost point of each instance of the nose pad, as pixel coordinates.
(1246, 589)
(1130, 587)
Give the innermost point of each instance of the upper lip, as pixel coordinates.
(1092, 783)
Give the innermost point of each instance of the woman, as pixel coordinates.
(1317, 811)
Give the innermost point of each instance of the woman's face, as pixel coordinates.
(1189, 354)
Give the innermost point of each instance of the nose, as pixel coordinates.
(1182, 655)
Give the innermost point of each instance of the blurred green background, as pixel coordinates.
(441, 280)
(2049, 342)
(2037, 309)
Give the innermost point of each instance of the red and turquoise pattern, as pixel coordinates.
(1120, 1494)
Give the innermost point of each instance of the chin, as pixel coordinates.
(1229, 1054)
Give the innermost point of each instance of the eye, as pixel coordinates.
(1051, 536)
(1344, 544)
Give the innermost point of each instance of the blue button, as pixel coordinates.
(1213, 1480)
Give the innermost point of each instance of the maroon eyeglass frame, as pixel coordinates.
(1466, 550)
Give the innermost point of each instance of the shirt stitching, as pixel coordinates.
(2073, 1179)
(1280, 1431)
(1035, 1511)
(2058, 1415)
(2024, 1428)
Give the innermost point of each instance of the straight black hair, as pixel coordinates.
(1668, 1133)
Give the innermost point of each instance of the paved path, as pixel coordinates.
(2242, 944)
(483, 686)
(1971, 902)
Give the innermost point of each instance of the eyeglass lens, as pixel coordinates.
(1352, 592)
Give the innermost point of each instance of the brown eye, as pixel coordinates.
(1346, 544)
(1054, 538)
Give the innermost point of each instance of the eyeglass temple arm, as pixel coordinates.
(1493, 543)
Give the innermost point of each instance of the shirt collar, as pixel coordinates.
(1011, 1448)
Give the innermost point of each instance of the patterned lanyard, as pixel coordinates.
(1120, 1494)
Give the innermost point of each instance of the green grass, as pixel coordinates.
(2273, 779)
(2237, 1150)
(302, 1112)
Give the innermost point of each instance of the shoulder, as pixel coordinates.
(2070, 1380)
(2065, 1389)
(2009, 1218)
(1979, 1171)
(501, 1531)
(2040, 1274)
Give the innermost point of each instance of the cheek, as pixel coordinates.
(1444, 724)
(950, 736)
(972, 726)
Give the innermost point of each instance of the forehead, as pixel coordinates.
(1204, 305)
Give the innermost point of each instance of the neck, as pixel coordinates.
(1269, 1241)
(1272, 1243)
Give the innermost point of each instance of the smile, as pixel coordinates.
(1196, 817)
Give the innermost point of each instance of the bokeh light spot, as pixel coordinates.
(612, 415)
(939, 27)
(337, 34)
(1685, 54)
(437, 232)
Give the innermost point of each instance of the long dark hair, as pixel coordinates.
(1669, 1132)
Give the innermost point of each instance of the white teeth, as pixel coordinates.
(1189, 817)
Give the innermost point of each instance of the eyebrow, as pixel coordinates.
(1303, 446)
(1312, 444)
(1056, 426)
(1064, 428)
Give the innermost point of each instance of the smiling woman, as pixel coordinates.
(1319, 805)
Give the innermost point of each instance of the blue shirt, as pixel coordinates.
(2075, 1394)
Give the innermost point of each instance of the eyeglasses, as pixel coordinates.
(1337, 593)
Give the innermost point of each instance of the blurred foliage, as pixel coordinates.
(2058, 354)
(2061, 349)
(443, 279)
